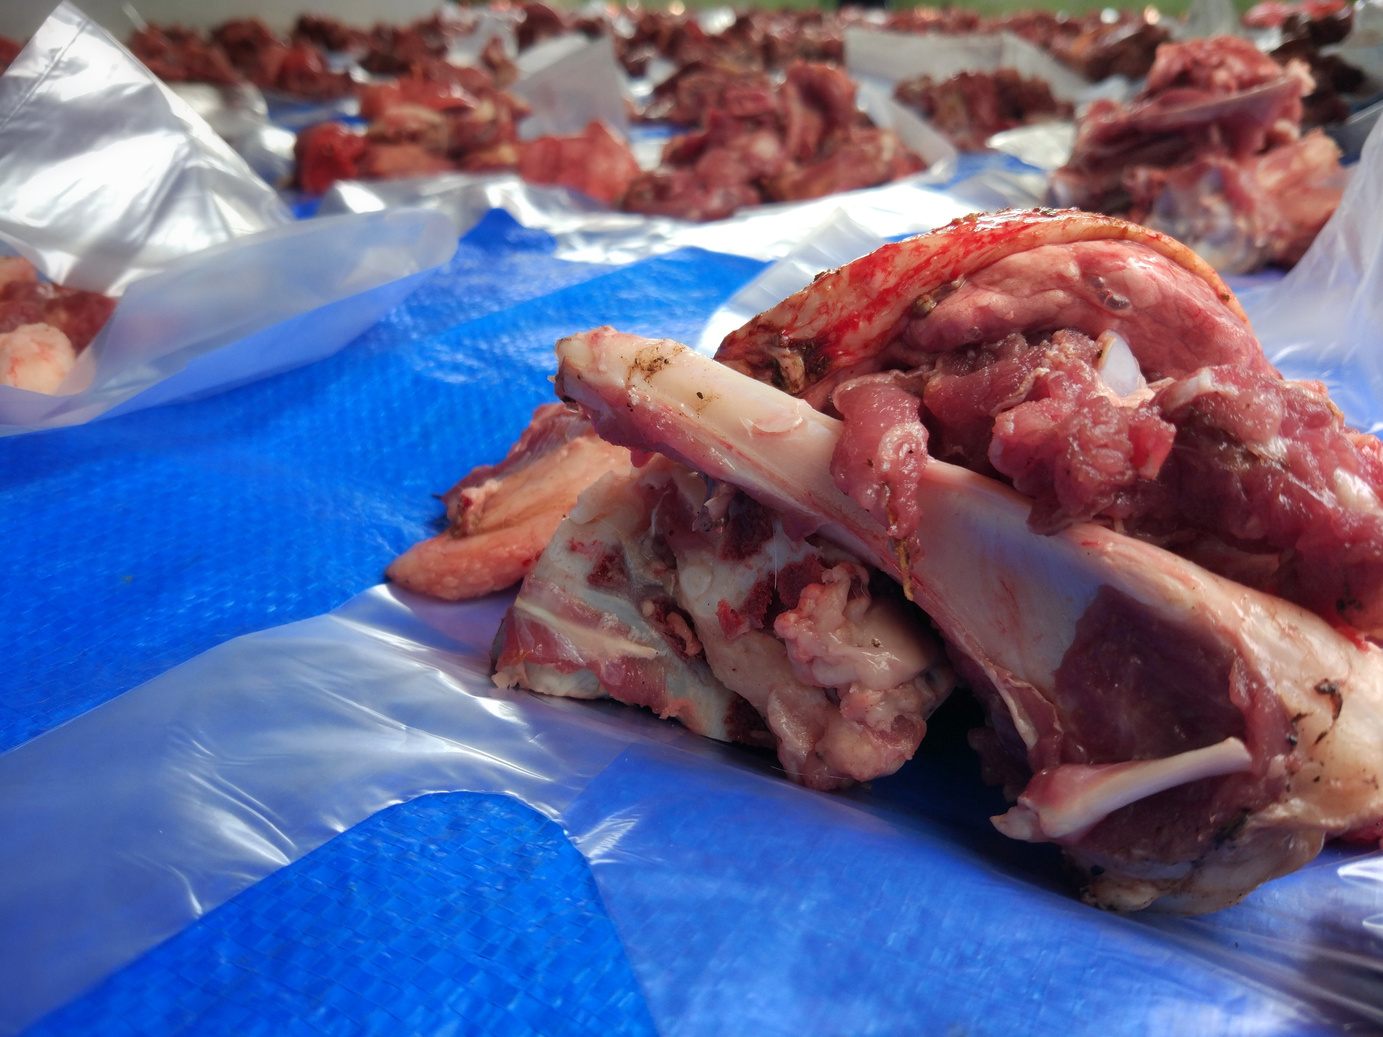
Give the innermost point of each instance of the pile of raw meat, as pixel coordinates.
(971, 107)
(43, 326)
(1211, 151)
(762, 141)
(1040, 455)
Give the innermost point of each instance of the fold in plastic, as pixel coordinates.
(107, 174)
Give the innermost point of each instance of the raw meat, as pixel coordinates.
(43, 326)
(701, 605)
(596, 163)
(1194, 154)
(971, 107)
(1182, 737)
(502, 516)
(1106, 373)
(760, 142)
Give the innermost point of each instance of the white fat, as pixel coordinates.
(1118, 367)
(1355, 493)
(1076, 797)
(1275, 449)
(592, 640)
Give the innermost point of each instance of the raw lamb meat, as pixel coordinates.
(701, 605)
(971, 107)
(761, 142)
(1196, 154)
(596, 163)
(43, 326)
(502, 516)
(1182, 737)
(1107, 373)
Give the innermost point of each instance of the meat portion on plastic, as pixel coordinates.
(1184, 738)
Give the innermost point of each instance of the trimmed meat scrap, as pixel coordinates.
(758, 142)
(502, 516)
(1182, 737)
(43, 326)
(595, 162)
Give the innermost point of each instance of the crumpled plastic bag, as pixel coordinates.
(137, 196)
(107, 174)
(569, 82)
(888, 57)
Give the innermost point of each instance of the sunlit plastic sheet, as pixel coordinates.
(108, 175)
(1325, 319)
(746, 904)
(569, 82)
(137, 196)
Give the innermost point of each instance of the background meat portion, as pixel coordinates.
(759, 142)
(1210, 151)
(971, 107)
(596, 163)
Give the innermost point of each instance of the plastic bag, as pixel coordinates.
(569, 82)
(586, 232)
(887, 57)
(138, 195)
(134, 180)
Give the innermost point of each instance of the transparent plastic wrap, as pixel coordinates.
(569, 82)
(887, 57)
(138, 197)
(1324, 319)
(744, 902)
(134, 179)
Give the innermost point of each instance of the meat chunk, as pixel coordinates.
(1182, 737)
(1104, 380)
(699, 605)
(760, 142)
(596, 163)
(36, 357)
(502, 516)
(971, 107)
(1210, 151)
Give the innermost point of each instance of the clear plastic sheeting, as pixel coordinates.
(586, 232)
(569, 82)
(240, 311)
(107, 174)
(745, 903)
(1325, 319)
